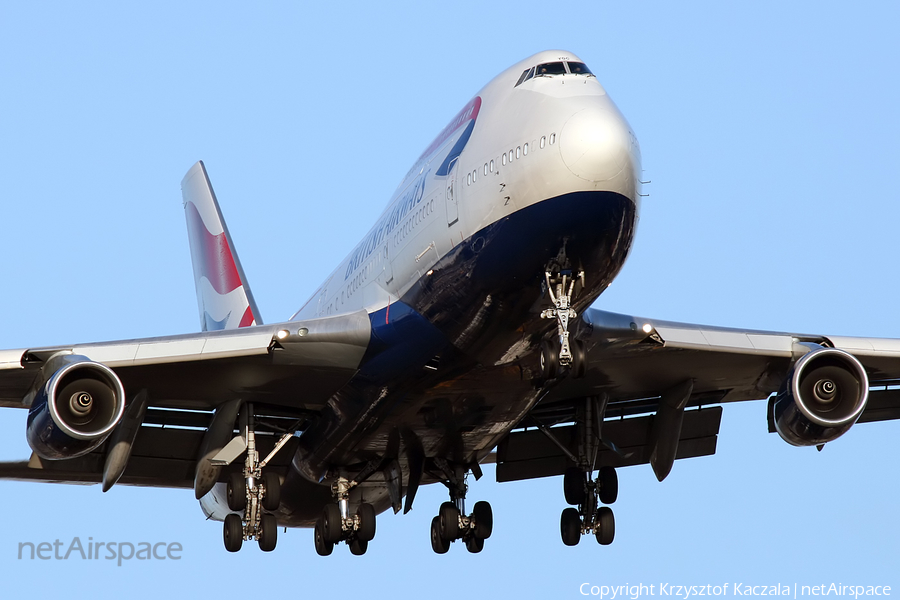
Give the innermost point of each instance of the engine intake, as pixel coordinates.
(75, 409)
(822, 397)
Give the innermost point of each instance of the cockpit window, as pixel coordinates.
(526, 75)
(577, 68)
(554, 68)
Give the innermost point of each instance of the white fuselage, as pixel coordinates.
(548, 136)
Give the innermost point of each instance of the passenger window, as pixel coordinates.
(518, 151)
(543, 141)
(469, 179)
(492, 166)
(474, 175)
(552, 138)
(485, 168)
(525, 150)
(503, 159)
(510, 156)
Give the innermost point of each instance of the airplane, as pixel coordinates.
(459, 331)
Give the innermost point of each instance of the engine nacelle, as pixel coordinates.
(74, 409)
(822, 397)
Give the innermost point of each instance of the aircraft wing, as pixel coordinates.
(289, 370)
(635, 367)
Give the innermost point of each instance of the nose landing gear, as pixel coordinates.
(562, 352)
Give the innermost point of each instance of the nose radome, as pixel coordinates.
(595, 144)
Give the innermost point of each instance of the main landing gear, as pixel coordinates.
(562, 352)
(251, 492)
(336, 524)
(584, 493)
(589, 518)
(452, 524)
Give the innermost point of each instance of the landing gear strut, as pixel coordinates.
(336, 524)
(452, 524)
(251, 491)
(562, 352)
(581, 489)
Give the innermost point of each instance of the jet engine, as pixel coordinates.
(822, 397)
(74, 409)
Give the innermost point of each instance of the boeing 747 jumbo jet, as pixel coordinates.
(457, 332)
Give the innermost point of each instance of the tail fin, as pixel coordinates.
(222, 290)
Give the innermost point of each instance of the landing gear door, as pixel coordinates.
(452, 194)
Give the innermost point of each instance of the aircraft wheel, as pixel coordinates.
(268, 537)
(606, 526)
(323, 548)
(484, 520)
(332, 523)
(358, 547)
(438, 543)
(609, 485)
(233, 532)
(272, 499)
(475, 544)
(573, 486)
(366, 514)
(549, 360)
(236, 492)
(570, 526)
(579, 359)
(449, 516)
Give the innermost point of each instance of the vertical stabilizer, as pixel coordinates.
(222, 290)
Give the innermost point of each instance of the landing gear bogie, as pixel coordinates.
(250, 491)
(336, 524)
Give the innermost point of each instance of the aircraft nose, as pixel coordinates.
(596, 145)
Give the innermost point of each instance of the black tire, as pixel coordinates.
(236, 492)
(323, 548)
(570, 526)
(449, 516)
(272, 499)
(549, 360)
(268, 537)
(579, 359)
(573, 486)
(484, 520)
(606, 526)
(475, 544)
(332, 523)
(609, 485)
(233, 532)
(366, 514)
(438, 543)
(358, 547)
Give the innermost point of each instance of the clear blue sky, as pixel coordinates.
(769, 131)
